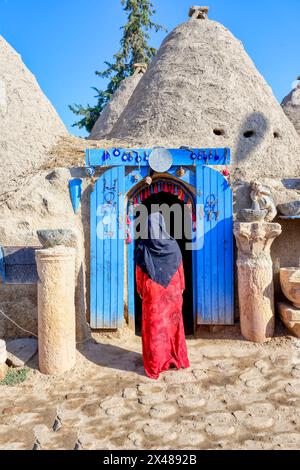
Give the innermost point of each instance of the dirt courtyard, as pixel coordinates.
(236, 395)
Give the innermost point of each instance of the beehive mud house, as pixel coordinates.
(201, 91)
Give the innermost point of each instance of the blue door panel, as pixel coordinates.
(213, 258)
(107, 250)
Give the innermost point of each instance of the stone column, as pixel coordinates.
(255, 279)
(71, 239)
(56, 309)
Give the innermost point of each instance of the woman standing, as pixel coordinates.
(160, 284)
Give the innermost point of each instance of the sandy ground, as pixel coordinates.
(236, 395)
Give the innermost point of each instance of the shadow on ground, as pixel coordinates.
(113, 357)
(233, 332)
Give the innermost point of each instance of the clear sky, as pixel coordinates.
(64, 41)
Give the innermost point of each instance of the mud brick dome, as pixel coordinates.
(291, 106)
(30, 125)
(117, 104)
(202, 89)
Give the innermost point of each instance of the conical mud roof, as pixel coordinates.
(117, 104)
(29, 124)
(203, 90)
(291, 106)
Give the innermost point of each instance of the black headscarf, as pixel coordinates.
(159, 256)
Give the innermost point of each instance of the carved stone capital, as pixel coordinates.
(255, 239)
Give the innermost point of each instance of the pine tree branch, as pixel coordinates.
(134, 47)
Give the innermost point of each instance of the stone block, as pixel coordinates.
(3, 371)
(20, 351)
(3, 353)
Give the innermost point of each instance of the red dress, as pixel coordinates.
(163, 334)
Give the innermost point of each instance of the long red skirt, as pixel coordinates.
(163, 334)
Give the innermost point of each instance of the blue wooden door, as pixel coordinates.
(107, 250)
(213, 257)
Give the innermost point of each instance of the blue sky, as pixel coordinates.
(64, 41)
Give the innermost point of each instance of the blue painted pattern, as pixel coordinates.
(139, 157)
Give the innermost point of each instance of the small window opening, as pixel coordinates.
(219, 132)
(249, 134)
(276, 135)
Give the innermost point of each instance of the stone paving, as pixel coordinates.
(236, 395)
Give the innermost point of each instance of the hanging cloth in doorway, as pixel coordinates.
(164, 187)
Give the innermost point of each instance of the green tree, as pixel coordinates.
(134, 48)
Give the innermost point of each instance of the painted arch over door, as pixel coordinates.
(213, 272)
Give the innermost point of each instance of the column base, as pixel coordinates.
(290, 317)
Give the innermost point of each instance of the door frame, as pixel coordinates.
(135, 163)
